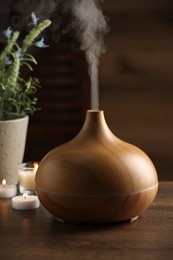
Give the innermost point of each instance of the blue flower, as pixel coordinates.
(18, 53)
(8, 32)
(8, 61)
(41, 43)
(34, 18)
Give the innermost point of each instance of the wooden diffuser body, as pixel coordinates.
(96, 177)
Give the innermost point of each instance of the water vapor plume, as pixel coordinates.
(80, 20)
(91, 27)
(85, 18)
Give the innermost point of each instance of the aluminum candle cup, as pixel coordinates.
(27, 173)
(7, 191)
(25, 202)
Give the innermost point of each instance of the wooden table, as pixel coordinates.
(38, 235)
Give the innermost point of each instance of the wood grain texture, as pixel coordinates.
(96, 177)
(36, 234)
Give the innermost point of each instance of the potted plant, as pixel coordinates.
(17, 96)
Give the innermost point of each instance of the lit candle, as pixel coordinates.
(27, 173)
(7, 191)
(25, 202)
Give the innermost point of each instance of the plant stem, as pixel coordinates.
(12, 80)
(9, 47)
(33, 34)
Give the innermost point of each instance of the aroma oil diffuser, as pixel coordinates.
(96, 177)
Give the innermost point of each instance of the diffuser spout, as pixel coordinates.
(95, 126)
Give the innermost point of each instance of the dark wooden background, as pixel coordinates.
(136, 78)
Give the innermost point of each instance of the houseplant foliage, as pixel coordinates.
(17, 92)
(17, 95)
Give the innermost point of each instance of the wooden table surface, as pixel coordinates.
(38, 235)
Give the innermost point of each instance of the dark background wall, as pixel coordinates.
(136, 77)
(136, 81)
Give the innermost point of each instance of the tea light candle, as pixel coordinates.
(27, 173)
(7, 191)
(25, 202)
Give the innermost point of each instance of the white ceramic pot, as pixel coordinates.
(12, 146)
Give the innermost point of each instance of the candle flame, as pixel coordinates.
(35, 167)
(25, 195)
(4, 182)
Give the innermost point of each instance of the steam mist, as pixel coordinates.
(85, 17)
(92, 28)
(89, 24)
(82, 17)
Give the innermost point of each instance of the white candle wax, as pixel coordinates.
(25, 202)
(27, 179)
(7, 191)
(27, 173)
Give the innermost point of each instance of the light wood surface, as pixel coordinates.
(36, 234)
(96, 177)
